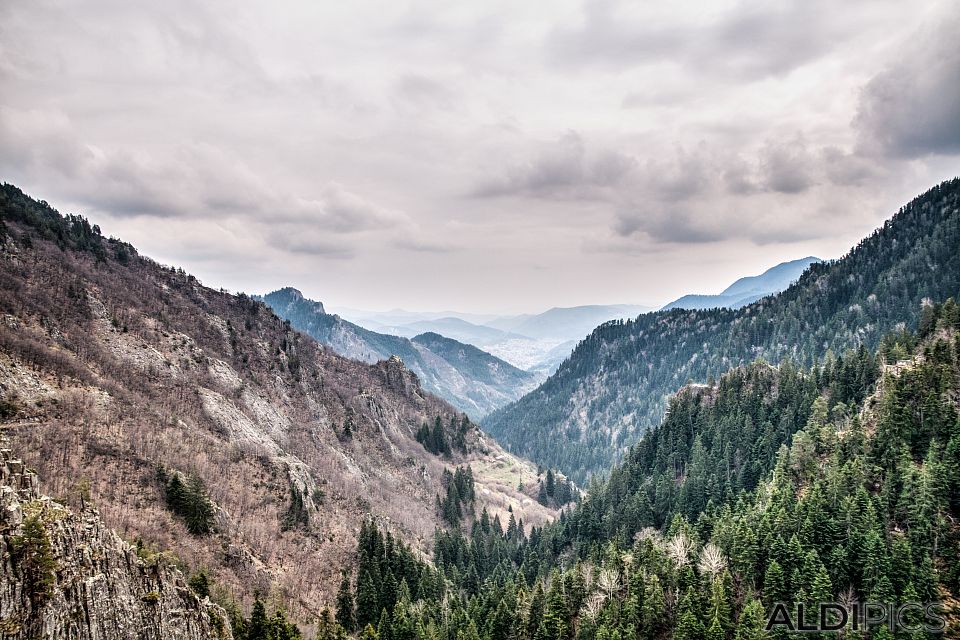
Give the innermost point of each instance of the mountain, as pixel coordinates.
(834, 484)
(473, 381)
(563, 324)
(537, 343)
(204, 427)
(614, 386)
(399, 317)
(749, 289)
(475, 334)
(67, 568)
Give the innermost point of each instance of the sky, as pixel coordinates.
(487, 156)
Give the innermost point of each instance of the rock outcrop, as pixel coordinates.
(67, 575)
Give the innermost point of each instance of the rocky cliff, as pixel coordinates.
(67, 575)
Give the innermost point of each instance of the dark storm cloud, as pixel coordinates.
(912, 107)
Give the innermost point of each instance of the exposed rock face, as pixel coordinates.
(401, 379)
(88, 583)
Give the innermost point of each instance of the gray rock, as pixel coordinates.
(101, 588)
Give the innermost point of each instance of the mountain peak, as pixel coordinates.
(288, 296)
(774, 279)
(749, 288)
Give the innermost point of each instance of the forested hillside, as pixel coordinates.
(209, 432)
(839, 483)
(470, 379)
(615, 385)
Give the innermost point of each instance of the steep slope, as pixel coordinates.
(66, 574)
(471, 380)
(700, 532)
(749, 289)
(614, 386)
(118, 375)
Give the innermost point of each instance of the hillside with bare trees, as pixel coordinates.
(198, 421)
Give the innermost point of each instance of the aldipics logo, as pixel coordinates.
(826, 617)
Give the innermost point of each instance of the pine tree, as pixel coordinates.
(345, 604)
(35, 562)
(469, 633)
(774, 584)
(368, 601)
(384, 626)
(721, 595)
(750, 626)
(715, 630)
(535, 611)
(259, 627)
(555, 614)
(200, 583)
(654, 607)
(689, 627)
(402, 627)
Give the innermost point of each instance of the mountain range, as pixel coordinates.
(470, 379)
(533, 342)
(748, 289)
(614, 386)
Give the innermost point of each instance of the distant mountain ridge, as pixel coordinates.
(748, 289)
(566, 323)
(454, 327)
(614, 386)
(533, 342)
(470, 379)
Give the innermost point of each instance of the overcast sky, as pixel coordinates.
(484, 156)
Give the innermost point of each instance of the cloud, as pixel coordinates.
(194, 178)
(751, 40)
(562, 170)
(336, 210)
(376, 145)
(422, 92)
(667, 222)
(850, 169)
(417, 243)
(912, 107)
(787, 166)
(307, 240)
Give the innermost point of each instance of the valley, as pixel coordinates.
(589, 320)
(116, 372)
(121, 376)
